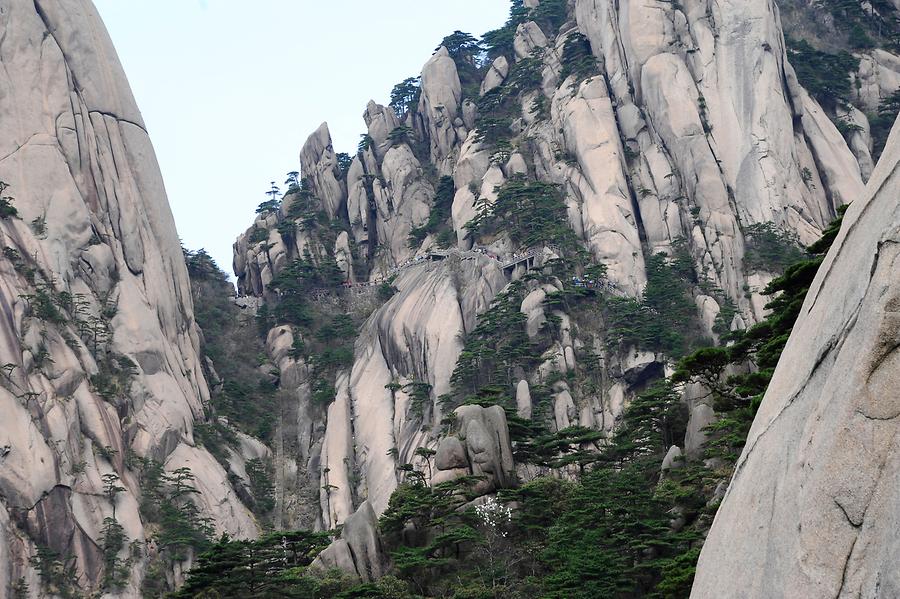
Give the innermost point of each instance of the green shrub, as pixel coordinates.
(500, 41)
(58, 573)
(525, 75)
(7, 210)
(306, 210)
(323, 392)
(883, 121)
(665, 319)
(825, 76)
(400, 135)
(114, 377)
(446, 238)
(465, 51)
(386, 291)
(770, 249)
(497, 347)
(112, 541)
(182, 527)
(39, 226)
(268, 206)
(365, 142)
(491, 130)
(344, 162)
(216, 438)
(440, 212)
(578, 58)
(272, 566)
(259, 235)
(259, 473)
(550, 15)
(333, 358)
(864, 26)
(531, 212)
(245, 397)
(405, 96)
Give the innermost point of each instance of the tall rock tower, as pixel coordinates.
(100, 371)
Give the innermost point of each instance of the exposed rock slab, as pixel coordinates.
(77, 157)
(812, 510)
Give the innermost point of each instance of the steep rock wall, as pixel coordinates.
(92, 284)
(689, 128)
(704, 91)
(812, 508)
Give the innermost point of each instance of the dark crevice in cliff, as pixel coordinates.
(24, 144)
(877, 418)
(119, 119)
(850, 520)
(845, 569)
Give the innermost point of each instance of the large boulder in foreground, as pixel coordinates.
(814, 507)
(359, 550)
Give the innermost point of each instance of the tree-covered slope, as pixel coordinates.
(629, 524)
(510, 345)
(571, 258)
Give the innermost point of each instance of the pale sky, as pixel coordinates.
(230, 89)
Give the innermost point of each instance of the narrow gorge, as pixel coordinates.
(585, 314)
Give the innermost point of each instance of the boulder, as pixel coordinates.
(673, 460)
(451, 454)
(486, 436)
(359, 551)
(529, 38)
(523, 400)
(496, 75)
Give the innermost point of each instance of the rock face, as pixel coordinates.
(414, 338)
(813, 505)
(688, 129)
(359, 549)
(100, 350)
(705, 88)
(319, 162)
(683, 126)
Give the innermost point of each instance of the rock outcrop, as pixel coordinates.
(439, 106)
(684, 129)
(359, 550)
(319, 162)
(415, 338)
(705, 88)
(100, 352)
(482, 449)
(813, 505)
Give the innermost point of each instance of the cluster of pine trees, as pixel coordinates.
(616, 526)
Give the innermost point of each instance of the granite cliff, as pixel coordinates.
(101, 355)
(474, 310)
(811, 507)
(668, 129)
